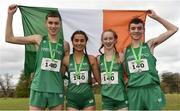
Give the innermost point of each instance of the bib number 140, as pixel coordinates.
(112, 80)
(134, 67)
(50, 65)
(82, 78)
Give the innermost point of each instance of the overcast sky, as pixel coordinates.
(167, 54)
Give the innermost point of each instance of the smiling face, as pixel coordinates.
(108, 40)
(79, 42)
(136, 31)
(53, 25)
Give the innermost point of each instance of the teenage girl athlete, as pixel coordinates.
(79, 66)
(111, 69)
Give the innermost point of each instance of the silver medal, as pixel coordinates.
(77, 83)
(109, 83)
(139, 70)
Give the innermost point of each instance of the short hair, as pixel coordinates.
(53, 14)
(136, 21)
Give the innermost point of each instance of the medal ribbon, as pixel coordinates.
(52, 53)
(109, 71)
(78, 69)
(137, 59)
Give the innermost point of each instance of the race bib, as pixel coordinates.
(50, 65)
(112, 80)
(82, 78)
(133, 67)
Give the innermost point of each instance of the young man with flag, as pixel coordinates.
(144, 91)
(47, 88)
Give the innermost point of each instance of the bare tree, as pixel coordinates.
(5, 84)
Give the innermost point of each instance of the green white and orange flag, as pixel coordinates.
(91, 21)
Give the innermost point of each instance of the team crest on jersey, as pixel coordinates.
(101, 64)
(44, 41)
(145, 55)
(128, 50)
(159, 100)
(115, 67)
(85, 64)
(60, 95)
(91, 101)
(70, 64)
(59, 44)
(126, 102)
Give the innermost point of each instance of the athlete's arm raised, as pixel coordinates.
(171, 29)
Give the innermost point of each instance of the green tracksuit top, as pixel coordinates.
(83, 85)
(46, 80)
(115, 91)
(145, 73)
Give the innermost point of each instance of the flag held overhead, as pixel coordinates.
(93, 22)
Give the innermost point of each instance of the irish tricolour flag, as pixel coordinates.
(91, 21)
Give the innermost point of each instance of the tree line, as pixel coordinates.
(170, 83)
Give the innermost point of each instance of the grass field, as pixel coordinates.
(173, 103)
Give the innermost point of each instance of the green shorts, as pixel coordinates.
(45, 100)
(111, 104)
(80, 101)
(146, 98)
